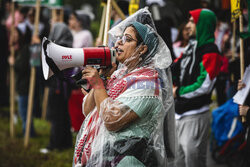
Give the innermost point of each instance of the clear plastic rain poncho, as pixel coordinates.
(114, 136)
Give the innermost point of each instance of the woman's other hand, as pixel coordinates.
(84, 92)
(92, 75)
(243, 109)
(241, 85)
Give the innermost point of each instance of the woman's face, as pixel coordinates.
(185, 33)
(128, 48)
(73, 22)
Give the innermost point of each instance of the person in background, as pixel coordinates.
(79, 25)
(115, 17)
(244, 111)
(17, 15)
(59, 92)
(4, 90)
(34, 40)
(22, 74)
(195, 74)
(222, 34)
(181, 41)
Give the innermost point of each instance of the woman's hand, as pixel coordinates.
(92, 75)
(243, 110)
(241, 85)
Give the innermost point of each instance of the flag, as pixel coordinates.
(235, 10)
(133, 6)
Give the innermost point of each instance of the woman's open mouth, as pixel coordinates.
(119, 51)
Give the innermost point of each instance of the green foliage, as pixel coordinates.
(95, 25)
(13, 152)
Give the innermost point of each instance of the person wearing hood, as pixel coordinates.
(194, 76)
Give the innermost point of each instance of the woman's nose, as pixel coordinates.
(118, 42)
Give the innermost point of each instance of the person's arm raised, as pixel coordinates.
(89, 103)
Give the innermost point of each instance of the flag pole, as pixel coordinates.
(101, 30)
(241, 56)
(107, 23)
(118, 9)
(32, 81)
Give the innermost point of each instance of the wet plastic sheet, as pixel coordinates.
(135, 125)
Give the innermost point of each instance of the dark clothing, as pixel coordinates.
(22, 79)
(191, 72)
(60, 135)
(4, 90)
(59, 92)
(220, 87)
(195, 74)
(22, 70)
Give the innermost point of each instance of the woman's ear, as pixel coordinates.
(143, 49)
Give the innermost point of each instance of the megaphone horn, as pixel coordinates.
(56, 58)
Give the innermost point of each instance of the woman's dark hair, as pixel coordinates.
(181, 28)
(137, 35)
(84, 19)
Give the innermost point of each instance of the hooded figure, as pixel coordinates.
(194, 75)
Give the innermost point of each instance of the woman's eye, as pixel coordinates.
(128, 39)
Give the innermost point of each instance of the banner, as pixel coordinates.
(235, 10)
(55, 4)
(30, 2)
(48, 3)
(133, 6)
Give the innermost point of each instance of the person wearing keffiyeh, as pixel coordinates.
(125, 113)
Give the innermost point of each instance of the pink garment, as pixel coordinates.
(18, 19)
(178, 50)
(82, 39)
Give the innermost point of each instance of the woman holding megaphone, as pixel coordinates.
(125, 112)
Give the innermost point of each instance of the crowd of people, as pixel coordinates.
(152, 107)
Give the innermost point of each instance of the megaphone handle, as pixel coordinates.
(81, 82)
(84, 84)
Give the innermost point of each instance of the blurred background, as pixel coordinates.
(56, 106)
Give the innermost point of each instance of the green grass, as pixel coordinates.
(13, 153)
